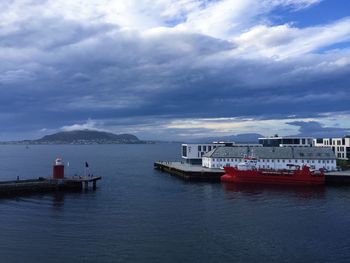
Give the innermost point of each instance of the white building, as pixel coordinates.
(272, 157)
(340, 146)
(192, 153)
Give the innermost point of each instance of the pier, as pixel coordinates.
(338, 178)
(189, 172)
(198, 173)
(44, 185)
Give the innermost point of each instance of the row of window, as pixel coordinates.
(341, 148)
(263, 166)
(341, 155)
(271, 160)
(205, 147)
(334, 142)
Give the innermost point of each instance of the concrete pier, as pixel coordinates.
(338, 178)
(198, 173)
(42, 184)
(189, 172)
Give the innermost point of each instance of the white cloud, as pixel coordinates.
(287, 41)
(88, 125)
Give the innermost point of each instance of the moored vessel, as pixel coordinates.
(246, 172)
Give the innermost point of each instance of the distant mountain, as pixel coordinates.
(85, 137)
(239, 138)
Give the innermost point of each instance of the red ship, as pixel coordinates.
(246, 172)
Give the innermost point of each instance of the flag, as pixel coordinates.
(86, 165)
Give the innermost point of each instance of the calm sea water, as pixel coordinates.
(138, 214)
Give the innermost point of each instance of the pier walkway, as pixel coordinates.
(47, 185)
(189, 172)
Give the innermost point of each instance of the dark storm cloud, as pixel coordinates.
(316, 129)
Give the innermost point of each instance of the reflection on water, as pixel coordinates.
(58, 200)
(317, 191)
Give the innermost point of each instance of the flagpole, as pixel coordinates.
(68, 168)
(86, 168)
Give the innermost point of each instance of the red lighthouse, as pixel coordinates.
(58, 169)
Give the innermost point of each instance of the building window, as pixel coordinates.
(209, 148)
(184, 151)
(204, 148)
(199, 148)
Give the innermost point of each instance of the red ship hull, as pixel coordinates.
(296, 177)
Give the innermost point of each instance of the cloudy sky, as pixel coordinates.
(166, 69)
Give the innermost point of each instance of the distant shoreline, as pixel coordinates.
(72, 143)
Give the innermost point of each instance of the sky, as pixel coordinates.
(175, 70)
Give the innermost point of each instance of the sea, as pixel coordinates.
(138, 214)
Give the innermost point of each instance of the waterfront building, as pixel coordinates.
(192, 153)
(340, 146)
(272, 157)
(279, 141)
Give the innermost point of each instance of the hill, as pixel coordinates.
(87, 137)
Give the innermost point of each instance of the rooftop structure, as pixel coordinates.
(192, 153)
(279, 141)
